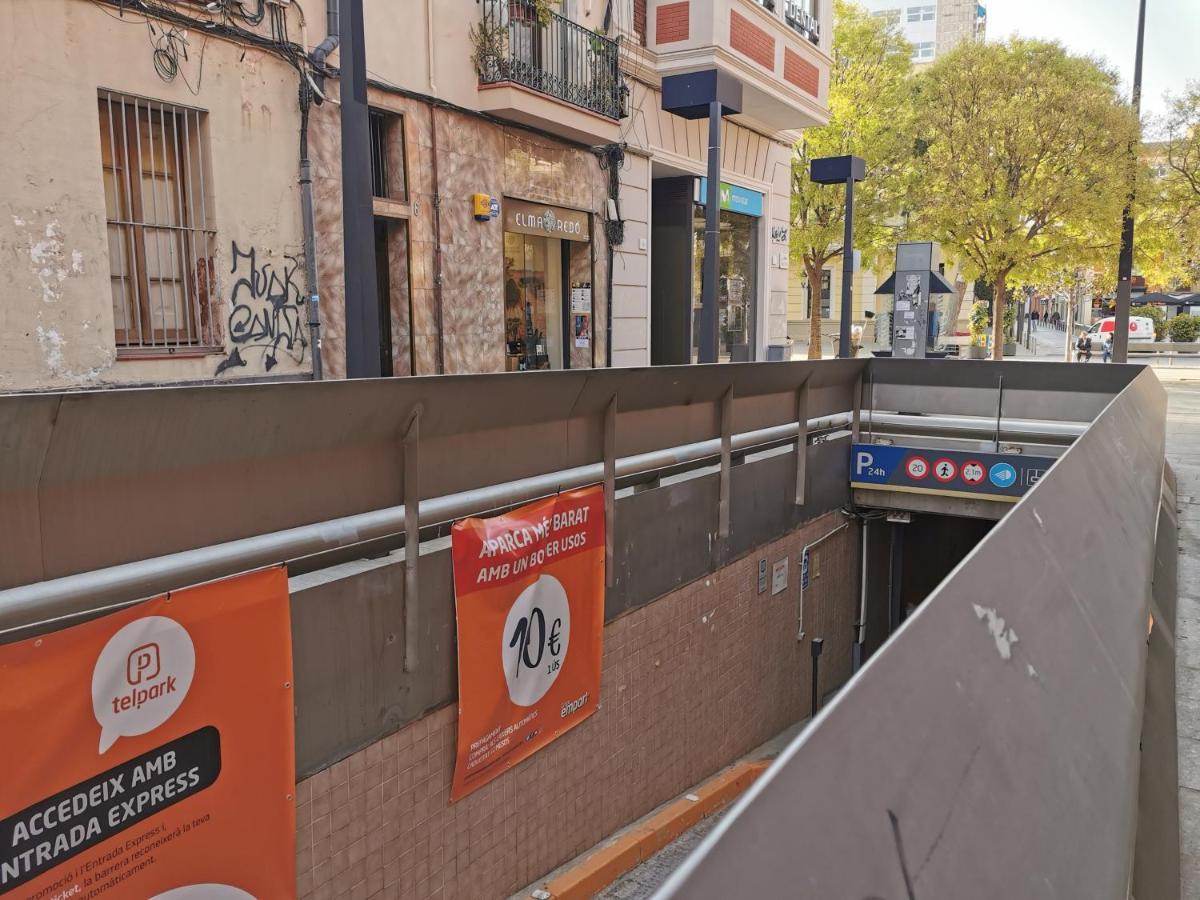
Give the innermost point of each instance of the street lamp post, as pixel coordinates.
(843, 170)
(1120, 343)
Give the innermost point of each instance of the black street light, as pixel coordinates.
(843, 170)
(1120, 342)
(709, 94)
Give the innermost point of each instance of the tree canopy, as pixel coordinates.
(870, 116)
(1024, 160)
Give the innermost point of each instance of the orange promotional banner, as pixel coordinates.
(149, 752)
(529, 598)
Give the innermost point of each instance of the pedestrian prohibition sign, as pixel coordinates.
(917, 468)
(944, 470)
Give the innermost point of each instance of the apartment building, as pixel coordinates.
(533, 205)
(933, 27)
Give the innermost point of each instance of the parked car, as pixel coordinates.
(1141, 328)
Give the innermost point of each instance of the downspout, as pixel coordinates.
(319, 55)
(430, 44)
(437, 243)
(310, 242)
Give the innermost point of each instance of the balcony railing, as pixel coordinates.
(797, 15)
(550, 54)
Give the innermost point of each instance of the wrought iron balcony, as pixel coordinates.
(548, 53)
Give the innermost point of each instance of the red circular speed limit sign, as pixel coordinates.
(973, 472)
(917, 467)
(944, 470)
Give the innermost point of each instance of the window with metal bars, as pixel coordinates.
(161, 234)
(388, 175)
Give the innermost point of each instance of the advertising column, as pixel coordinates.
(149, 752)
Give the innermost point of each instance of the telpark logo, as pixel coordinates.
(141, 677)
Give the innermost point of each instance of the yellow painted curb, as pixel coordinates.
(599, 869)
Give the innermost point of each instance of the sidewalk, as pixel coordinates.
(670, 832)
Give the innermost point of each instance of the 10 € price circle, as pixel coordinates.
(534, 641)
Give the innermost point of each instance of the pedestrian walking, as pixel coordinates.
(1035, 317)
(1108, 348)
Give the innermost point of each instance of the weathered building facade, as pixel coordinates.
(533, 205)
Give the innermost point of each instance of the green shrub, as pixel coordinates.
(1157, 314)
(1184, 329)
(979, 321)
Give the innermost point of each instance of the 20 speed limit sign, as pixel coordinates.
(917, 467)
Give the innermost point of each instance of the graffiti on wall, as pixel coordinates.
(266, 310)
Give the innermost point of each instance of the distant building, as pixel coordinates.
(933, 27)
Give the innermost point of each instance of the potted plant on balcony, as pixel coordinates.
(977, 328)
(604, 85)
(489, 40)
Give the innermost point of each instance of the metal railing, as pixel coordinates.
(515, 42)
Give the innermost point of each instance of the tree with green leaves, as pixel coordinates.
(1023, 161)
(1178, 182)
(870, 116)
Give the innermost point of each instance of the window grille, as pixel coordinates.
(161, 234)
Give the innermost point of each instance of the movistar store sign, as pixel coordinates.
(733, 198)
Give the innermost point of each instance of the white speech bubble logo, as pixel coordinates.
(141, 676)
(534, 642)
(204, 892)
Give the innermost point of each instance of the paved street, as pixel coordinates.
(1183, 451)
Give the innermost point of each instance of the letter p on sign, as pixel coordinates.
(863, 461)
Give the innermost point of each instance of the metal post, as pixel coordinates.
(847, 273)
(358, 220)
(712, 239)
(815, 648)
(1120, 342)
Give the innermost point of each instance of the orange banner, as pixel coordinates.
(529, 596)
(149, 753)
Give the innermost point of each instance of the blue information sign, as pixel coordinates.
(997, 476)
(733, 198)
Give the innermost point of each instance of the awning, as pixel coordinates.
(937, 285)
(1184, 298)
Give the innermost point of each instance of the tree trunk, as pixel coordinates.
(814, 310)
(999, 297)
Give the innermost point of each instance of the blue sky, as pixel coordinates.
(1108, 28)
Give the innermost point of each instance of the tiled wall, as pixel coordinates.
(691, 682)
(473, 156)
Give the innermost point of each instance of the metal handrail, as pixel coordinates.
(71, 595)
(550, 54)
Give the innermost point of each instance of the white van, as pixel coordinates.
(1141, 328)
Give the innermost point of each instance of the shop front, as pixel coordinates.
(677, 271)
(548, 314)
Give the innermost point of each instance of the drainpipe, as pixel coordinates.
(310, 242)
(319, 55)
(430, 44)
(333, 34)
(437, 244)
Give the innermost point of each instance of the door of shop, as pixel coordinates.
(534, 313)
